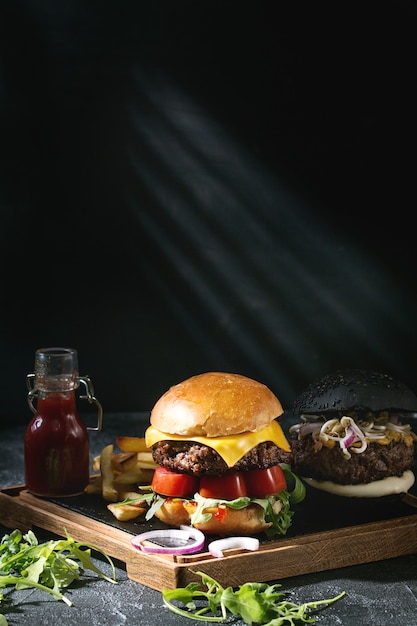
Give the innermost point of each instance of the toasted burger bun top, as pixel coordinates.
(215, 404)
(358, 390)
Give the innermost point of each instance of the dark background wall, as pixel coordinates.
(206, 185)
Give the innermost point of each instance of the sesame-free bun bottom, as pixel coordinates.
(247, 521)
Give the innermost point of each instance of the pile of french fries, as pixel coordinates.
(120, 475)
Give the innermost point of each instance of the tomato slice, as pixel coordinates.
(174, 484)
(253, 483)
(264, 482)
(228, 486)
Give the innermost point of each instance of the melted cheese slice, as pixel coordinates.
(232, 447)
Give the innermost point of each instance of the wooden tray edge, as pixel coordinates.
(277, 560)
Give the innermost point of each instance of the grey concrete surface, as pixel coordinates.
(382, 593)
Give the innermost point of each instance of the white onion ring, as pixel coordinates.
(182, 534)
(248, 543)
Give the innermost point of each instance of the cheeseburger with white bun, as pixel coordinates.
(353, 436)
(222, 457)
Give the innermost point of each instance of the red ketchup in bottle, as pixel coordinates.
(57, 451)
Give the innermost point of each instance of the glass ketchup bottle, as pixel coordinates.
(56, 446)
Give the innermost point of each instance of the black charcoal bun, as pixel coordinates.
(358, 390)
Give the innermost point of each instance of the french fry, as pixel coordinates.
(95, 485)
(116, 461)
(145, 459)
(131, 493)
(121, 474)
(107, 473)
(132, 444)
(125, 512)
(139, 477)
(140, 460)
(130, 464)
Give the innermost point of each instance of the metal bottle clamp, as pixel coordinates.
(90, 397)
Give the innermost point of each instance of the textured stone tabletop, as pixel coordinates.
(382, 593)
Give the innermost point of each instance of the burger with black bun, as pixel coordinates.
(353, 436)
(223, 458)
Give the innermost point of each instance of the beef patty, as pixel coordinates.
(376, 462)
(191, 457)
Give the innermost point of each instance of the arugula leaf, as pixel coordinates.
(255, 603)
(50, 566)
(247, 603)
(295, 486)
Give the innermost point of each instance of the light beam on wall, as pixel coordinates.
(278, 285)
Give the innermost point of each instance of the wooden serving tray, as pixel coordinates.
(317, 541)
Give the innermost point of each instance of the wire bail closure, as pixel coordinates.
(33, 393)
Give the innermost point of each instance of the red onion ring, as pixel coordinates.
(172, 541)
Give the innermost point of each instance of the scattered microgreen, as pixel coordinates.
(255, 603)
(50, 566)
